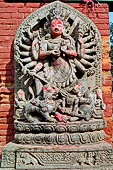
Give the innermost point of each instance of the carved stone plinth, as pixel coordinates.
(97, 157)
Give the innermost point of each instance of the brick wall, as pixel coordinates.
(11, 16)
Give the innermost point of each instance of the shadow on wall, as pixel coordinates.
(7, 100)
(10, 80)
(42, 2)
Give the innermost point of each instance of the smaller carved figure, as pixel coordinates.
(43, 105)
(20, 99)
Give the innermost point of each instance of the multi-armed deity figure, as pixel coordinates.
(58, 67)
(59, 108)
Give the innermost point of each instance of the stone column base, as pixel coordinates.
(84, 157)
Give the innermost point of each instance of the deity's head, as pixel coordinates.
(56, 27)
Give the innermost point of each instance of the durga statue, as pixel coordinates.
(58, 72)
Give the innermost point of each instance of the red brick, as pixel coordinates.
(100, 15)
(107, 96)
(7, 79)
(24, 10)
(26, 14)
(5, 56)
(8, 10)
(6, 67)
(76, 5)
(6, 126)
(108, 99)
(7, 32)
(22, 4)
(20, 21)
(105, 32)
(105, 27)
(104, 5)
(109, 127)
(5, 44)
(6, 108)
(100, 21)
(107, 80)
(5, 16)
(4, 5)
(108, 105)
(4, 38)
(5, 72)
(108, 111)
(7, 102)
(2, 144)
(6, 138)
(6, 90)
(106, 66)
(92, 15)
(107, 83)
(108, 139)
(108, 77)
(4, 27)
(5, 132)
(6, 114)
(8, 120)
(7, 84)
(32, 5)
(13, 27)
(8, 60)
(101, 9)
(18, 16)
(9, 21)
(34, 9)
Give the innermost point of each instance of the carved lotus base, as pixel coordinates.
(86, 157)
(60, 139)
(59, 127)
(72, 133)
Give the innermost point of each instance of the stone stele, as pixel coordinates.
(59, 109)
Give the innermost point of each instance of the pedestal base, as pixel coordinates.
(84, 157)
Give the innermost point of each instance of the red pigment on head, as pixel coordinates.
(58, 63)
(45, 89)
(57, 21)
(20, 94)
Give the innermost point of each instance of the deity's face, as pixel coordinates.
(56, 27)
(49, 92)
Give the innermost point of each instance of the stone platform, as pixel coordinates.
(85, 157)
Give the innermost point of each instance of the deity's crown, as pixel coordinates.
(58, 13)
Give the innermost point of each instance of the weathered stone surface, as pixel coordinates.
(70, 127)
(63, 157)
(60, 139)
(58, 93)
(58, 66)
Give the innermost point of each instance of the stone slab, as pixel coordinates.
(84, 157)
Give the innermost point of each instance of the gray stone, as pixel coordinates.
(19, 156)
(58, 73)
(59, 109)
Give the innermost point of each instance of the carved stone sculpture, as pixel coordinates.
(55, 61)
(58, 98)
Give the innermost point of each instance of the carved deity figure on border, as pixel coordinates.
(57, 57)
